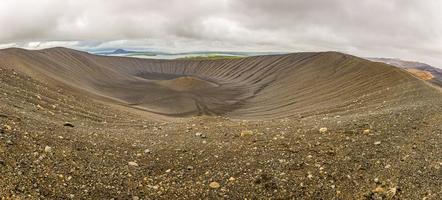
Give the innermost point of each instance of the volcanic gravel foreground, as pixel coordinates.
(299, 126)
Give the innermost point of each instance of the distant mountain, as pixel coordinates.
(116, 51)
(422, 70)
(168, 55)
(122, 51)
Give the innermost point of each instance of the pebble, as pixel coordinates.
(48, 149)
(379, 190)
(189, 167)
(246, 133)
(366, 131)
(9, 142)
(7, 127)
(323, 130)
(376, 180)
(147, 151)
(377, 143)
(232, 179)
(135, 198)
(134, 164)
(214, 185)
(199, 134)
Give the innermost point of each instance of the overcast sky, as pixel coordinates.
(407, 29)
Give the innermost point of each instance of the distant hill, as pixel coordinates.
(155, 54)
(122, 51)
(422, 70)
(116, 51)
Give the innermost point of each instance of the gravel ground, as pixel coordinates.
(58, 145)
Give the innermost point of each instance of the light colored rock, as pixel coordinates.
(323, 130)
(7, 127)
(366, 131)
(391, 192)
(246, 133)
(232, 179)
(48, 149)
(377, 143)
(133, 164)
(214, 185)
(379, 190)
(376, 180)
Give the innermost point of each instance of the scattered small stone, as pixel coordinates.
(366, 131)
(232, 179)
(135, 198)
(155, 187)
(68, 124)
(48, 149)
(387, 166)
(133, 164)
(7, 127)
(323, 130)
(199, 134)
(376, 180)
(9, 142)
(377, 143)
(246, 133)
(214, 185)
(147, 151)
(189, 168)
(379, 190)
(391, 192)
(168, 171)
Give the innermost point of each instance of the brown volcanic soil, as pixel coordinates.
(383, 138)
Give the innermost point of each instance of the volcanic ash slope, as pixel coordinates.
(262, 87)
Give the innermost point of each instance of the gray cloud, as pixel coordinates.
(407, 29)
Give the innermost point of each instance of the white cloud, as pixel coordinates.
(398, 28)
